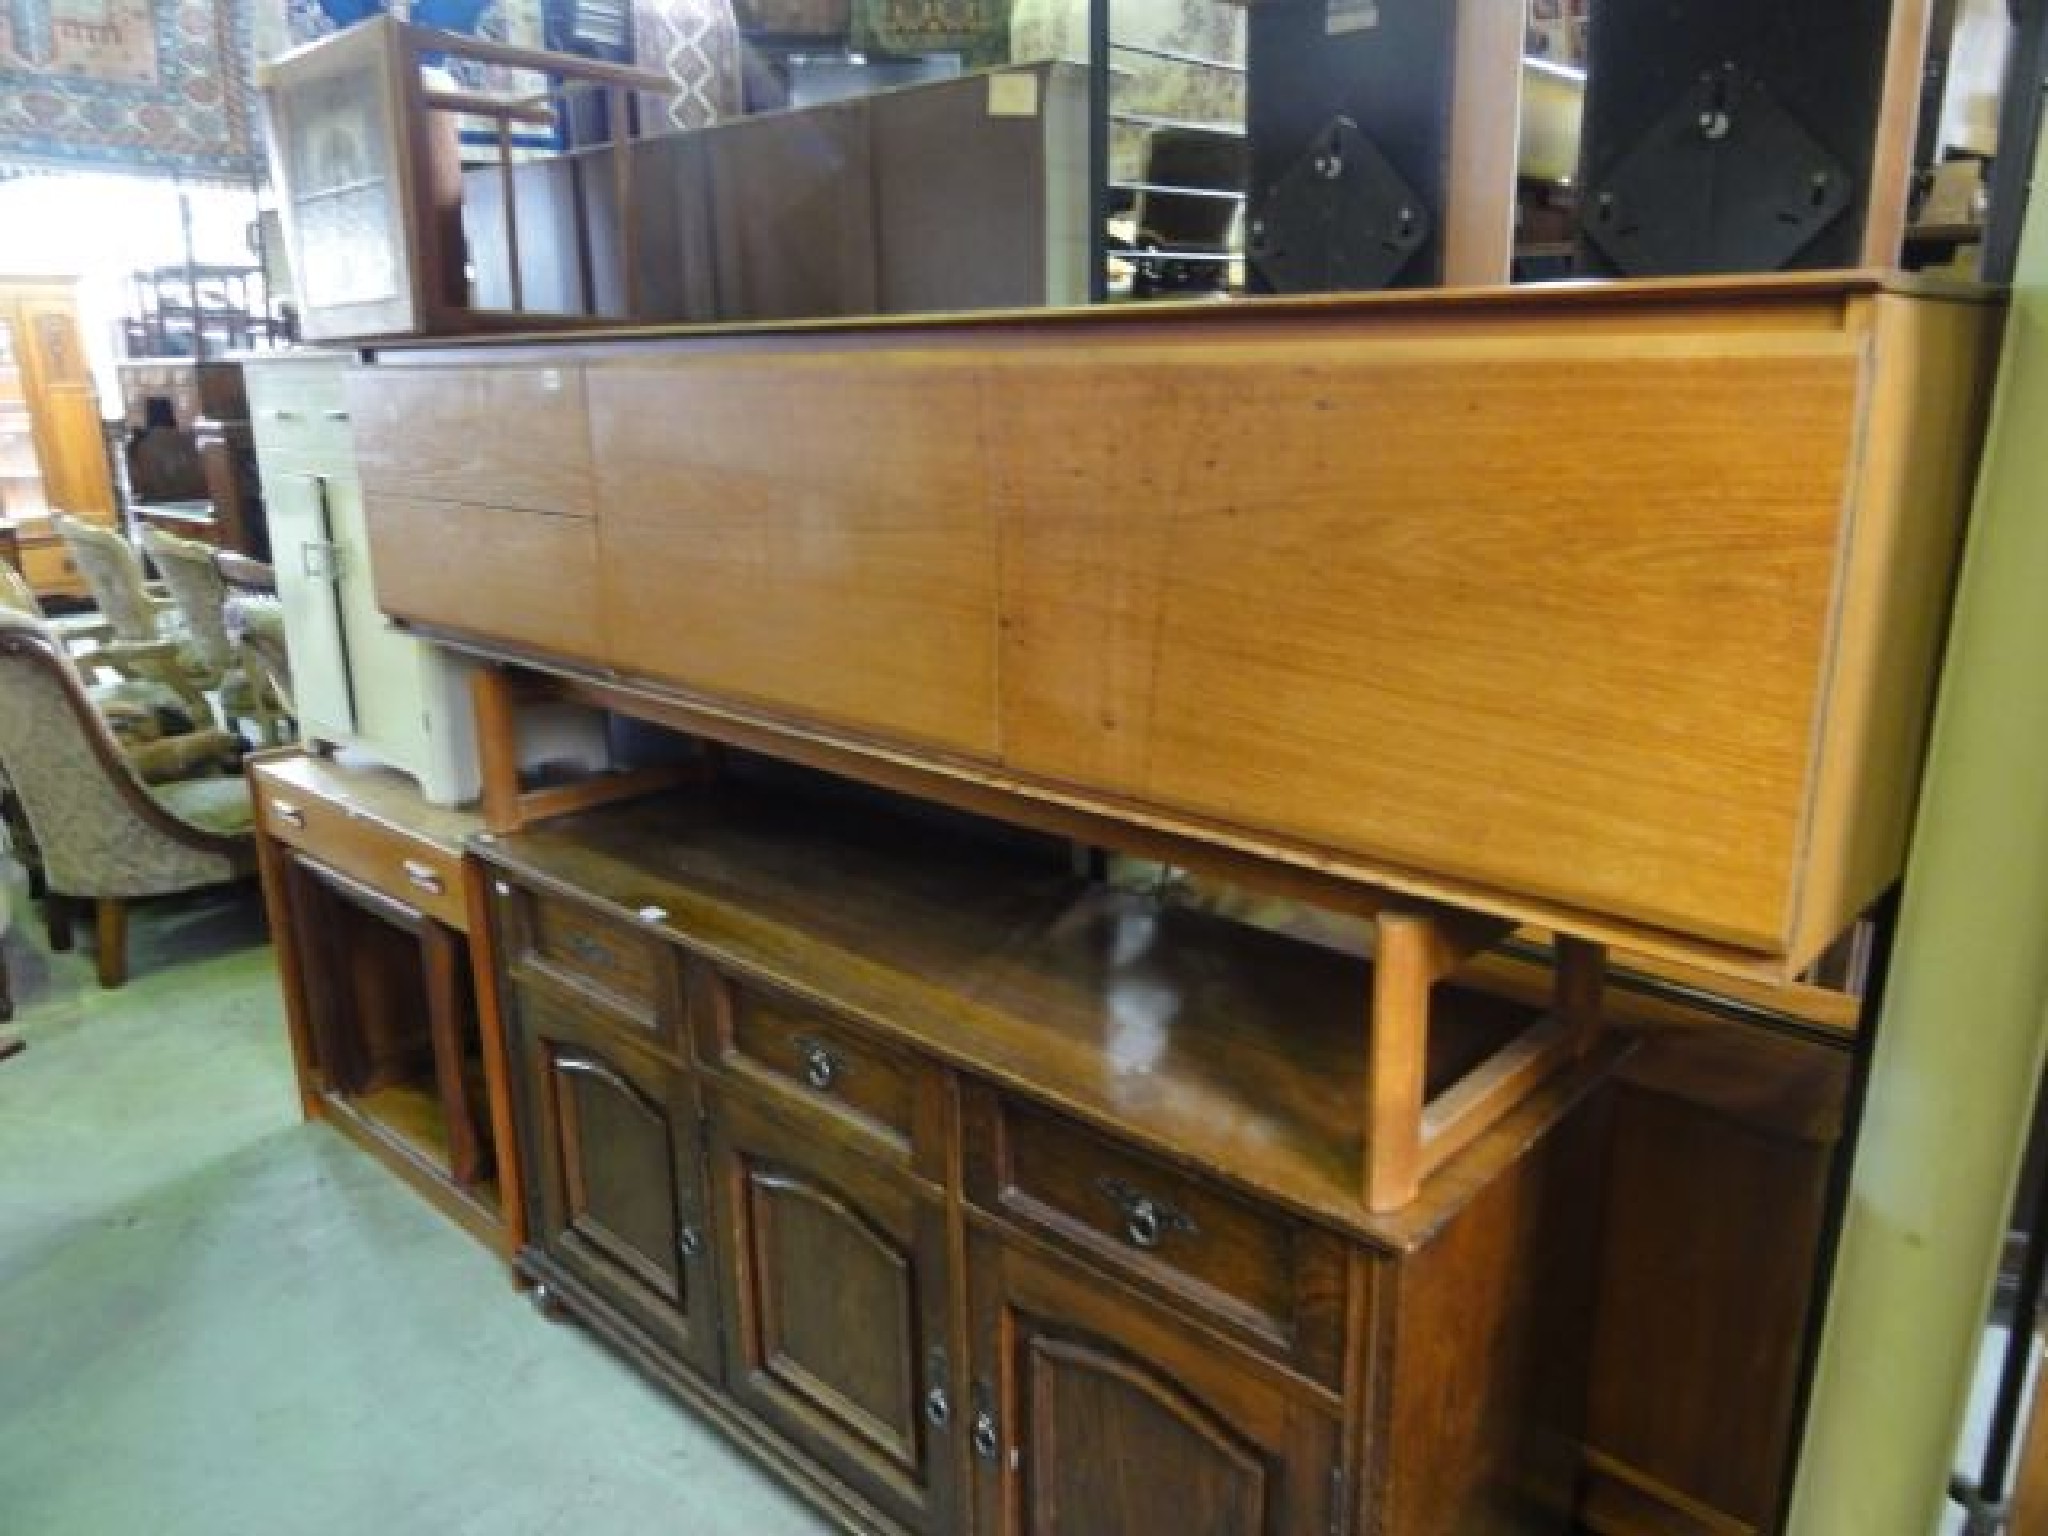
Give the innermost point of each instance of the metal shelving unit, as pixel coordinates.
(1149, 190)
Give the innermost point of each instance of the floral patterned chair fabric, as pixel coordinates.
(105, 837)
(141, 641)
(152, 723)
(195, 583)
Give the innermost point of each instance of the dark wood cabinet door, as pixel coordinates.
(616, 1187)
(837, 1309)
(1091, 1414)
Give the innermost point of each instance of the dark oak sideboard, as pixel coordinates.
(975, 1196)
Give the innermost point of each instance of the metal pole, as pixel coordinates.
(1098, 150)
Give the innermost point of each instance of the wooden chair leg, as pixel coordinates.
(57, 920)
(111, 917)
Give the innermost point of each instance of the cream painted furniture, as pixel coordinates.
(356, 680)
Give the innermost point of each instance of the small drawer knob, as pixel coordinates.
(1148, 1220)
(822, 1069)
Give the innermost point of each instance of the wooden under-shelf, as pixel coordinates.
(1245, 1052)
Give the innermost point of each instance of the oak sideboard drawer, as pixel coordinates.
(805, 1055)
(1275, 1279)
(594, 952)
(419, 873)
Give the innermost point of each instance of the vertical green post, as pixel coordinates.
(1959, 1049)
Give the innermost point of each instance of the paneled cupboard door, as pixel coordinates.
(616, 1180)
(837, 1301)
(1093, 1415)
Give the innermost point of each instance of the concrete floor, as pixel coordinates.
(217, 1320)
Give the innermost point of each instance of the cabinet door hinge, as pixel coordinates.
(1337, 1511)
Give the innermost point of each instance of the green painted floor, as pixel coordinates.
(217, 1320)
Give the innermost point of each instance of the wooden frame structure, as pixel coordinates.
(355, 127)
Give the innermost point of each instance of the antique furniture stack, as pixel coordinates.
(1480, 633)
(957, 1184)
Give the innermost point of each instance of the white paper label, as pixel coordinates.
(1013, 94)
(1342, 16)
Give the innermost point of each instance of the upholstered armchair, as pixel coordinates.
(153, 724)
(140, 639)
(196, 586)
(105, 837)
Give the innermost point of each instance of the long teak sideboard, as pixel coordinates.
(1609, 608)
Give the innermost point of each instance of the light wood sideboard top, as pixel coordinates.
(1613, 608)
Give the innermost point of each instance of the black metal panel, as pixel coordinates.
(1384, 64)
(1822, 63)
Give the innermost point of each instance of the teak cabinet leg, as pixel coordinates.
(1580, 988)
(1397, 1058)
(497, 744)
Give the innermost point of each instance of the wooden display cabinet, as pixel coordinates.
(52, 458)
(365, 154)
(390, 999)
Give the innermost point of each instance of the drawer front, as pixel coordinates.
(420, 874)
(1275, 1280)
(593, 956)
(298, 413)
(527, 579)
(491, 436)
(804, 1055)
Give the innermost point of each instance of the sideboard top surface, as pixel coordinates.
(1566, 301)
(1234, 1048)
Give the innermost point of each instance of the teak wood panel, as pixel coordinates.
(1916, 476)
(528, 578)
(812, 535)
(1506, 613)
(503, 437)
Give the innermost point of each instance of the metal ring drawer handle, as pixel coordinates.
(821, 1068)
(288, 813)
(335, 415)
(1148, 1221)
(423, 876)
(283, 415)
(938, 1408)
(986, 1441)
(690, 1242)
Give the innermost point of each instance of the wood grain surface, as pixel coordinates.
(847, 574)
(508, 437)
